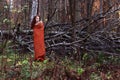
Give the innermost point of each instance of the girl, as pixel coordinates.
(38, 38)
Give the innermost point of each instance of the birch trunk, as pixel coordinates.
(11, 5)
(34, 8)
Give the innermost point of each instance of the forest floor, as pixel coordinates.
(57, 67)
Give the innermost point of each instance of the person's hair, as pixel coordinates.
(34, 21)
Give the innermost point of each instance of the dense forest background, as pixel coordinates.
(82, 39)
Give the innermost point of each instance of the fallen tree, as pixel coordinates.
(100, 37)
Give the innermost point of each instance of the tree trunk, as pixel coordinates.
(101, 7)
(11, 4)
(34, 8)
(38, 7)
(89, 7)
(72, 16)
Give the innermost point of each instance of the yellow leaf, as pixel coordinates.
(19, 63)
(8, 60)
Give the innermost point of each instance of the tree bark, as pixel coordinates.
(34, 8)
(72, 16)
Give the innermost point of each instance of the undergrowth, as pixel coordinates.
(14, 66)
